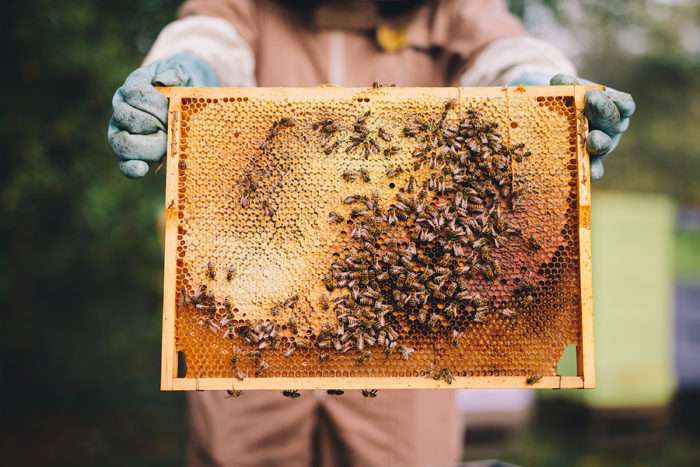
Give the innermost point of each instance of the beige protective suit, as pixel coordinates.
(263, 43)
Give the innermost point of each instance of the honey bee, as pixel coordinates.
(534, 243)
(528, 284)
(335, 217)
(371, 393)
(406, 352)
(349, 175)
(289, 351)
(233, 393)
(268, 209)
(455, 338)
(291, 302)
(362, 118)
(245, 198)
(392, 171)
(184, 301)
(365, 356)
(262, 367)
(287, 121)
(410, 185)
(364, 175)
(533, 379)
(254, 354)
(210, 270)
(332, 148)
(291, 393)
(212, 326)
(353, 199)
(508, 313)
(292, 325)
(447, 376)
(324, 357)
(450, 311)
(240, 375)
(335, 392)
(231, 272)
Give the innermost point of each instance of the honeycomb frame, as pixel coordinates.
(515, 100)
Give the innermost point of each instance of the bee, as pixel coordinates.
(291, 393)
(231, 272)
(534, 243)
(245, 198)
(290, 302)
(324, 301)
(365, 356)
(335, 217)
(233, 393)
(289, 351)
(240, 375)
(250, 183)
(335, 392)
(455, 338)
(292, 325)
(364, 175)
(410, 185)
(528, 284)
(447, 376)
(406, 352)
(391, 258)
(371, 393)
(533, 379)
(287, 121)
(450, 311)
(362, 118)
(263, 366)
(265, 145)
(332, 148)
(392, 171)
(383, 134)
(254, 354)
(349, 175)
(353, 199)
(323, 357)
(210, 270)
(508, 313)
(212, 326)
(391, 150)
(268, 209)
(185, 300)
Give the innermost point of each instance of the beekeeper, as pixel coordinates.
(307, 43)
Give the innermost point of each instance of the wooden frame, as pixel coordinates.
(585, 377)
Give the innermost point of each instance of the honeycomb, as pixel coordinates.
(386, 233)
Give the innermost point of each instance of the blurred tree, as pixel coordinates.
(650, 48)
(81, 282)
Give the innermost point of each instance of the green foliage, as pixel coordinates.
(81, 282)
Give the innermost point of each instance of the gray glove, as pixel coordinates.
(607, 111)
(137, 131)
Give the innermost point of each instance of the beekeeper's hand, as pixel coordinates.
(137, 131)
(607, 111)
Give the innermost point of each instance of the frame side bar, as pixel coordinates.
(585, 361)
(168, 359)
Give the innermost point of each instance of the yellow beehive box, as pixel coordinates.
(339, 238)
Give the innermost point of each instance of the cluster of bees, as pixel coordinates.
(442, 231)
(454, 213)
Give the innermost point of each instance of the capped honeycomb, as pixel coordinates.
(403, 237)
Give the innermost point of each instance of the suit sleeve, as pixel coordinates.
(221, 33)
